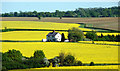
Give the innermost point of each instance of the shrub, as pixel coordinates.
(91, 35)
(61, 56)
(35, 63)
(39, 54)
(4, 68)
(13, 55)
(79, 63)
(92, 64)
(69, 60)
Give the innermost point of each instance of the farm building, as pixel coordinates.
(54, 37)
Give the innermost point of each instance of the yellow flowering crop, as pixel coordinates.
(82, 51)
(27, 35)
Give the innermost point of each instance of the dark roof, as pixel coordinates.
(52, 33)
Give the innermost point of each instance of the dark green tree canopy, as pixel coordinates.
(69, 59)
(63, 37)
(39, 17)
(39, 54)
(13, 54)
(80, 12)
(91, 35)
(75, 34)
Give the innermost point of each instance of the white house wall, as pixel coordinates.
(58, 37)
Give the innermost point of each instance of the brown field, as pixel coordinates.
(106, 22)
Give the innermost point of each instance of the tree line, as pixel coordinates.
(13, 59)
(75, 35)
(80, 12)
(93, 36)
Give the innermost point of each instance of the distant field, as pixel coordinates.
(82, 51)
(39, 25)
(106, 22)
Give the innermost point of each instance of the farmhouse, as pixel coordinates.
(54, 37)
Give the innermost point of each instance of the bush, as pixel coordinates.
(39, 54)
(13, 60)
(92, 64)
(13, 55)
(4, 68)
(62, 56)
(79, 63)
(35, 63)
(91, 35)
(75, 34)
(13, 65)
(69, 60)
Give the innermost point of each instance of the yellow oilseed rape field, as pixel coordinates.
(27, 35)
(83, 52)
(69, 67)
(39, 25)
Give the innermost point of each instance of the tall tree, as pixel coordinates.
(63, 37)
(75, 34)
(39, 17)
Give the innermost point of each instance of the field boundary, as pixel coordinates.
(7, 30)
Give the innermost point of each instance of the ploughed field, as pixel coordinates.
(105, 22)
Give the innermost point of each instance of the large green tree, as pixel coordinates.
(13, 55)
(75, 34)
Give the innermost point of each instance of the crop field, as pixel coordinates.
(84, 52)
(106, 22)
(70, 67)
(100, 52)
(27, 35)
(35, 35)
(39, 25)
